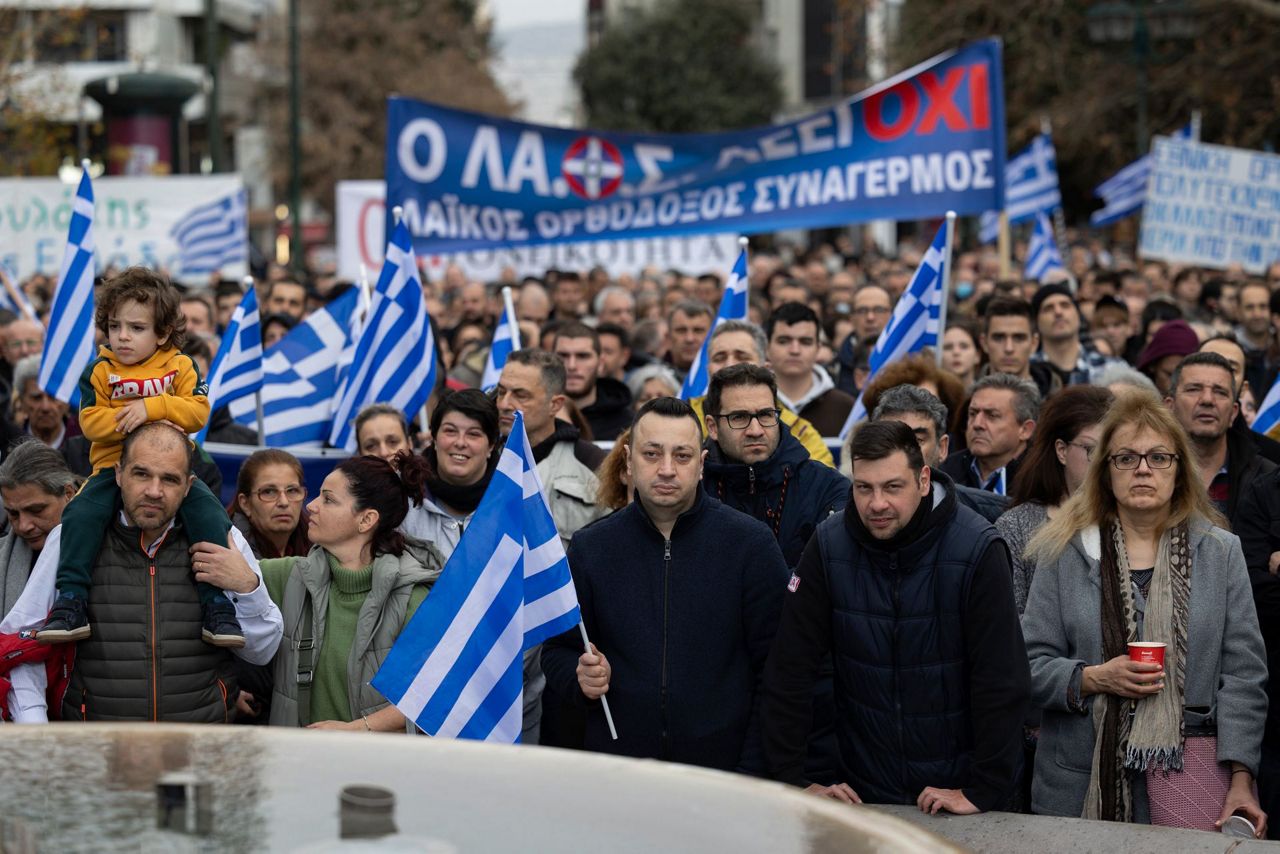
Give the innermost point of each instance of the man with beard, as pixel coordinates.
(604, 401)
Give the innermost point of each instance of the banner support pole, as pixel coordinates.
(946, 283)
(1004, 246)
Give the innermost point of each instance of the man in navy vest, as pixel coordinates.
(911, 593)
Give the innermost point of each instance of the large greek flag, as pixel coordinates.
(1031, 186)
(1124, 193)
(733, 306)
(236, 371)
(1043, 257)
(505, 339)
(395, 358)
(68, 344)
(456, 668)
(213, 235)
(915, 322)
(300, 378)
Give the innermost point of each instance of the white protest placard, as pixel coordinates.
(133, 221)
(1212, 206)
(360, 224)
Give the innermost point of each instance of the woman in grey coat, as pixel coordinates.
(1135, 556)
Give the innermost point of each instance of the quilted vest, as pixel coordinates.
(145, 660)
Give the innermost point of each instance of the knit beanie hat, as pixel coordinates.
(1175, 338)
(1047, 291)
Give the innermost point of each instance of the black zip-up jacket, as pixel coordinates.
(685, 624)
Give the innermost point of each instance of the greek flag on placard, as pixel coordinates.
(395, 358)
(505, 339)
(1268, 417)
(733, 306)
(456, 669)
(1031, 186)
(68, 344)
(1124, 193)
(1043, 257)
(915, 320)
(236, 371)
(300, 378)
(213, 235)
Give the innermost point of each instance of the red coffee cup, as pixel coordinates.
(1147, 652)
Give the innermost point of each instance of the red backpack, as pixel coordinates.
(22, 648)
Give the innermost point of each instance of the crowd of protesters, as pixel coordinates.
(937, 611)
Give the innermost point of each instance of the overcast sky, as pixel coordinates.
(537, 44)
(516, 13)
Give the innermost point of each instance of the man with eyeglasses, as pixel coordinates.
(755, 465)
(804, 386)
(872, 306)
(1202, 397)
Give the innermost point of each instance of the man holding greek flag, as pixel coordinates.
(456, 669)
(918, 318)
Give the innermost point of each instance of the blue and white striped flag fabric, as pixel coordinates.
(213, 235)
(733, 306)
(395, 358)
(68, 345)
(12, 297)
(1267, 420)
(1124, 193)
(1031, 186)
(300, 378)
(915, 321)
(503, 343)
(1043, 257)
(456, 669)
(236, 371)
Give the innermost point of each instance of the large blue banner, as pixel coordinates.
(926, 141)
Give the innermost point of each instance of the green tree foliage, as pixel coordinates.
(687, 65)
(1089, 91)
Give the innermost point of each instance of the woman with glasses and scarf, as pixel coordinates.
(1136, 555)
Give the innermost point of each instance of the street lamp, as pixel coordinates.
(1139, 23)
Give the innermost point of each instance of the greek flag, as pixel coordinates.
(300, 378)
(455, 670)
(1124, 193)
(68, 346)
(395, 358)
(505, 339)
(1042, 255)
(915, 320)
(1267, 420)
(213, 235)
(1031, 186)
(733, 306)
(236, 371)
(13, 297)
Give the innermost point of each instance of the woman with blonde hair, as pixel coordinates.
(1136, 555)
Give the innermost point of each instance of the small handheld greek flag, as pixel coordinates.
(456, 668)
(236, 371)
(1031, 186)
(733, 306)
(1043, 257)
(68, 346)
(1268, 417)
(1124, 193)
(505, 339)
(916, 319)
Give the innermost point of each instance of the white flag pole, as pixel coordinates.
(742, 242)
(1059, 218)
(946, 282)
(509, 305)
(1195, 125)
(247, 281)
(604, 700)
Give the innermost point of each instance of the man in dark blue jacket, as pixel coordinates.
(755, 465)
(911, 593)
(680, 596)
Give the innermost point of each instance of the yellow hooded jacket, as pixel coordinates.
(169, 382)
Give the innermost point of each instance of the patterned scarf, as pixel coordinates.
(1152, 736)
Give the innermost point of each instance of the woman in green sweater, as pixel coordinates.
(347, 600)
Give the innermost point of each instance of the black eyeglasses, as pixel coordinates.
(270, 493)
(1155, 460)
(740, 420)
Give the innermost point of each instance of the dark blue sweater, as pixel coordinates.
(686, 626)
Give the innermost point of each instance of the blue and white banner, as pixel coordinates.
(1043, 256)
(915, 323)
(1031, 186)
(68, 344)
(734, 305)
(236, 371)
(929, 140)
(455, 670)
